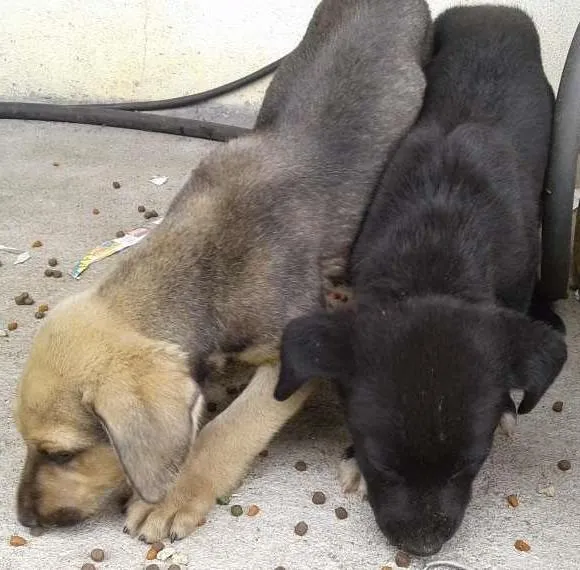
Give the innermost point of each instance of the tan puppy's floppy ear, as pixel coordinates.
(149, 406)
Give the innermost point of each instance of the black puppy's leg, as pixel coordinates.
(349, 475)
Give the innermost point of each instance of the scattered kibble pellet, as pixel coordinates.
(341, 513)
(225, 500)
(88, 566)
(513, 501)
(150, 214)
(56, 164)
(141, 209)
(237, 510)
(120, 234)
(279, 568)
(151, 554)
(56, 273)
(39, 315)
(152, 567)
(211, 407)
(24, 299)
(37, 243)
(319, 498)
(97, 554)
(36, 531)
(174, 567)
(300, 466)
(116, 185)
(522, 546)
(49, 272)
(43, 308)
(12, 326)
(253, 510)
(402, 559)
(16, 540)
(53, 262)
(558, 406)
(263, 453)
(96, 211)
(564, 465)
(301, 528)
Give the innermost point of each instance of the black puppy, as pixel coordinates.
(443, 273)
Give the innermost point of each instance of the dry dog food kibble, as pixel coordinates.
(16, 540)
(151, 554)
(49, 272)
(319, 498)
(253, 510)
(120, 234)
(513, 501)
(56, 273)
(12, 326)
(301, 528)
(152, 567)
(88, 566)
(141, 209)
(564, 465)
(402, 559)
(237, 510)
(341, 513)
(43, 308)
(24, 299)
(37, 243)
(97, 554)
(53, 262)
(558, 406)
(116, 185)
(39, 315)
(150, 214)
(96, 211)
(174, 567)
(522, 546)
(300, 466)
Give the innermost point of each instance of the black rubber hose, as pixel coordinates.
(125, 115)
(121, 119)
(195, 99)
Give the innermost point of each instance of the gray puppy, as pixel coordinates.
(111, 396)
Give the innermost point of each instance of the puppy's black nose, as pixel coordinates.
(426, 547)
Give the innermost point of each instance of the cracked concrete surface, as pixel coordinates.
(54, 204)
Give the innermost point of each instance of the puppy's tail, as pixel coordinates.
(542, 310)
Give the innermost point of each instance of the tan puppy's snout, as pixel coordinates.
(26, 510)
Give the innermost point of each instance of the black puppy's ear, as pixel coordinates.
(315, 346)
(536, 353)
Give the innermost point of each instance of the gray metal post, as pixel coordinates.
(559, 197)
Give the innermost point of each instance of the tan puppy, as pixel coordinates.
(111, 396)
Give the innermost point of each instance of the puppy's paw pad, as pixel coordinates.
(350, 478)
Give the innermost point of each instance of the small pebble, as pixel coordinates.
(88, 566)
(53, 262)
(319, 498)
(29, 301)
(402, 559)
(96, 211)
(341, 513)
(43, 308)
(300, 466)
(522, 546)
(16, 540)
(564, 465)
(120, 234)
(301, 528)
(174, 567)
(49, 272)
(97, 554)
(225, 500)
(37, 243)
(237, 510)
(36, 531)
(253, 510)
(56, 164)
(211, 407)
(141, 209)
(152, 567)
(150, 214)
(12, 326)
(279, 568)
(116, 185)
(39, 315)
(263, 453)
(558, 406)
(56, 273)
(513, 501)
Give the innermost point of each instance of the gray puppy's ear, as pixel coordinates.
(536, 354)
(316, 346)
(149, 406)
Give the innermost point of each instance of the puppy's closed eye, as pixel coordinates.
(59, 457)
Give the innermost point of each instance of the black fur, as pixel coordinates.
(443, 275)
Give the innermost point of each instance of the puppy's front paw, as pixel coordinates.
(350, 477)
(175, 517)
(508, 423)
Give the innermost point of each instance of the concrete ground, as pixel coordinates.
(42, 201)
